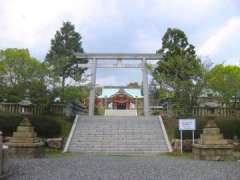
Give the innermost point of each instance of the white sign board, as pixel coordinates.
(187, 124)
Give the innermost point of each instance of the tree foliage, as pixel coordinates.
(133, 85)
(18, 71)
(180, 70)
(61, 58)
(225, 80)
(73, 93)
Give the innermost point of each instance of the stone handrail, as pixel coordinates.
(71, 134)
(165, 134)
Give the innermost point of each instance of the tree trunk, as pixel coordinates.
(63, 89)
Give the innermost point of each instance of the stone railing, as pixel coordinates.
(218, 111)
(34, 109)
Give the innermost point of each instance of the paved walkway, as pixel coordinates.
(92, 167)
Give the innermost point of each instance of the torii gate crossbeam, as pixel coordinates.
(93, 57)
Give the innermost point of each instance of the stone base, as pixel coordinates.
(187, 144)
(55, 143)
(4, 166)
(26, 151)
(213, 152)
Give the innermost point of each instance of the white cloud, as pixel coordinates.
(107, 81)
(147, 42)
(186, 15)
(31, 24)
(188, 11)
(227, 34)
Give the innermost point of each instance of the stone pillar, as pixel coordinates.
(1, 155)
(91, 104)
(105, 103)
(145, 88)
(136, 103)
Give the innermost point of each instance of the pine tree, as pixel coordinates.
(61, 58)
(179, 70)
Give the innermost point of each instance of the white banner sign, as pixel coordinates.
(187, 124)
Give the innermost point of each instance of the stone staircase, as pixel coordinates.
(120, 112)
(118, 135)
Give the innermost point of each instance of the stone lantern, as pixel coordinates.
(212, 145)
(25, 103)
(24, 142)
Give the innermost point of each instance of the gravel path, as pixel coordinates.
(93, 167)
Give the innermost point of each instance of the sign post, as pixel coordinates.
(193, 137)
(181, 139)
(186, 125)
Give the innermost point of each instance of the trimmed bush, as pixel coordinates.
(45, 126)
(9, 123)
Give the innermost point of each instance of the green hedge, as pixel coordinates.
(45, 126)
(8, 123)
(230, 127)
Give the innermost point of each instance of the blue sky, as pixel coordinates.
(213, 26)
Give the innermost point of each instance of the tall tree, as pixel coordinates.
(61, 56)
(179, 70)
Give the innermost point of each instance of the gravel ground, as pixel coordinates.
(96, 167)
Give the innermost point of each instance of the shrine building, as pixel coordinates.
(120, 98)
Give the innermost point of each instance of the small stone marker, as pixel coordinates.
(4, 169)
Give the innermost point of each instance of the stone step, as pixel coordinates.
(119, 147)
(118, 112)
(117, 152)
(119, 139)
(118, 118)
(118, 135)
(111, 125)
(132, 148)
(120, 143)
(117, 132)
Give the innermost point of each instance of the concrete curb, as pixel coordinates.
(165, 134)
(71, 134)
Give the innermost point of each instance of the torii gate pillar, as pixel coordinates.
(91, 105)
(145, 88)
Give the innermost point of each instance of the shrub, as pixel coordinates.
(9, 122)
(45, 126)
(230, 127)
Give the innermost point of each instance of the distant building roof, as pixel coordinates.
(108, 92)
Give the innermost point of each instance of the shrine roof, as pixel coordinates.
(108, 92)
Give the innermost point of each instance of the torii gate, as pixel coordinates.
(93, 57)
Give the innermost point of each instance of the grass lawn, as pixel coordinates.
(179, 154)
